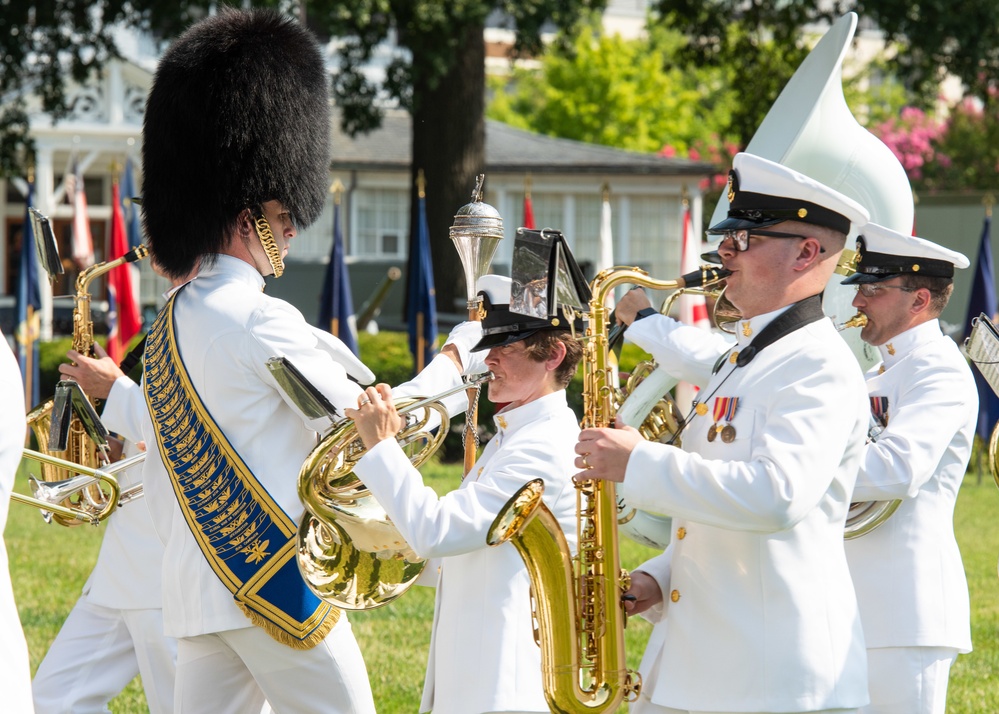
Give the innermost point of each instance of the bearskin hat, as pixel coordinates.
(238, 114)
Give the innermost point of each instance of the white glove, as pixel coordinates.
(464, 337)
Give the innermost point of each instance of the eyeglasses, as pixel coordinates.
(740, 238)
(869, 290)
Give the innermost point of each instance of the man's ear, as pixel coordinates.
(556, 356)
(923, 301)
(809, 253)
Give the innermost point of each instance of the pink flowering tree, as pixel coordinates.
(911, 137)
(957, 154)
(716, 151)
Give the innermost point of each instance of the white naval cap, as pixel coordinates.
(884, 253)
(762, 193)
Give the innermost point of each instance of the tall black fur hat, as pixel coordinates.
(238, 114)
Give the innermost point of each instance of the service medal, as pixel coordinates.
(712, 432)
(724, 411)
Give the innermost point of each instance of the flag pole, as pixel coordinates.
(336, 188)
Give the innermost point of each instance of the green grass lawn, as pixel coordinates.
(49, 565)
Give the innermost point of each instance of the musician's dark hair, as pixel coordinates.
(539, 346)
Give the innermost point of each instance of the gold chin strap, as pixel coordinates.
(266, 236)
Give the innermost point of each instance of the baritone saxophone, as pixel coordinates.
(577, 599)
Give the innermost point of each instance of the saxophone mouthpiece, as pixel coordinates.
(705, 275)
(137, 253)
(858, 320)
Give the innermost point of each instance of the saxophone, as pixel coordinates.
(577, 600)
(80, 448)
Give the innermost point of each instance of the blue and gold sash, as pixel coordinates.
(248, 540)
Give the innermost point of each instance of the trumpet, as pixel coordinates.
(73, 499)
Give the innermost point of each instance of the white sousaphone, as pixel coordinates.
(811, 130)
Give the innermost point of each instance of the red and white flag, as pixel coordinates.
(693, 308)
(83, 243)
(128, 321)
(528, 211)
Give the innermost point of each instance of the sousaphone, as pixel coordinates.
(810, 129)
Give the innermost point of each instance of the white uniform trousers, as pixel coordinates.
(234, 671)
(908, 680)
(644, 706)
(96, 654)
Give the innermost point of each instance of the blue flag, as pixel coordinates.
(336, 307)
(983, 300)
(421, 301)
(130, 210)
(28, 303)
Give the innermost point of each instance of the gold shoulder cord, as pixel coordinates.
(266, 237)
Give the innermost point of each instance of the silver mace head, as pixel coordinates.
(476, 232)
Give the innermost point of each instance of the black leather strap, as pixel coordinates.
(133, 357)
(798, 315)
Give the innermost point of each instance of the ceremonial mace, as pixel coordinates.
(476, 232)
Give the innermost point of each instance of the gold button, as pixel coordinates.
(681, 533)
(734, 357)
(675, 596)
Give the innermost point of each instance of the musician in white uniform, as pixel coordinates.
(753, 601)
(115, 630)
(15, 674)
(908, 572)
(483, 657)
(235, 158)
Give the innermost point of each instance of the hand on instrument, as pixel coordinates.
(375, 417)
(604, 453)
(643, 593)
(95, 375)
(629, 305)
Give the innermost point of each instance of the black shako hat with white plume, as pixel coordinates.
(238, 114)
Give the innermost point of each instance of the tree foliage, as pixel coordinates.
(437, 72)
(940, 37)
(629, 94)
(935, 37)
(758, 43)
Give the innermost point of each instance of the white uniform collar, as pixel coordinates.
(746, 330)
(510, 420)
(234, 268)
(903, 344)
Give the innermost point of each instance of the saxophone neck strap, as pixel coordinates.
(804, 312)
(247, 539)
(133, 357)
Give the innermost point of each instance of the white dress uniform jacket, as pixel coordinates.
(908, 572)
(482, 652)
(15, 674)
(115, 630)
(759, 613)
(227, 329)
(127, 573)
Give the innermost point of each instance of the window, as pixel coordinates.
(382, 220)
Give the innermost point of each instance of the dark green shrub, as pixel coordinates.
(387, 355)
